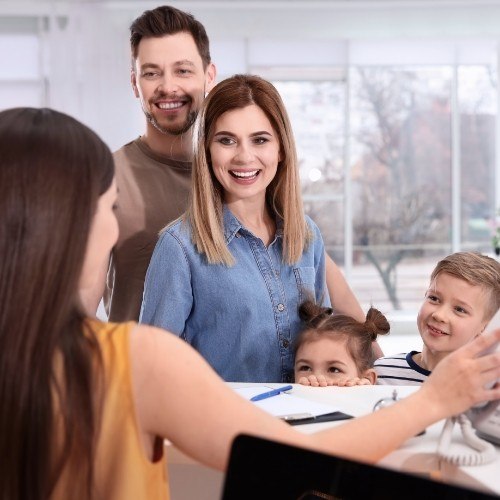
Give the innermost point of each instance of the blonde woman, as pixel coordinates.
(229, 276)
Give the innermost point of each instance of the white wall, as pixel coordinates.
(86, 58)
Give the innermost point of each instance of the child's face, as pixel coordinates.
(452, 314)
(325, 356)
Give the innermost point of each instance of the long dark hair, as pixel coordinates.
(320, 322)
(52, 171)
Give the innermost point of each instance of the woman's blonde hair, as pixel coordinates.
(205, 211)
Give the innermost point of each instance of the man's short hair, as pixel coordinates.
(166, 20)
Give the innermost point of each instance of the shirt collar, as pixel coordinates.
(232, 225)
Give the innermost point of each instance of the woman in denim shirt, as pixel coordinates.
(228, 277)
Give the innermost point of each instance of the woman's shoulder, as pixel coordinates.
(106, 332)
(178, 230)
(312, 226)
(117, 339)
(113, 340)
(102, 327)
(178, 226)
(149, 343)
(309, 222)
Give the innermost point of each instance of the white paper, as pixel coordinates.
(285, 403)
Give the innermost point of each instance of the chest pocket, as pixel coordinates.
(306, 279)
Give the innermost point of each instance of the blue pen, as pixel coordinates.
(270, 394)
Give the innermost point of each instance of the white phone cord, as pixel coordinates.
(485, 451)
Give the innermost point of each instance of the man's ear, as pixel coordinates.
(133, 81)
(210, 74)
(371, 375)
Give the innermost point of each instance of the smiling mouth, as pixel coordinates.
(246, 175)
(170, 105)
(436, 331)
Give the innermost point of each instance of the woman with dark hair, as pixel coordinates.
(55, 175)
(85, 404)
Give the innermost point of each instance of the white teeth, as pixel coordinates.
(170, 105)
(438, 330)
(244, 175)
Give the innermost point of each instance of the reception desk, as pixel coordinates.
(189, 479)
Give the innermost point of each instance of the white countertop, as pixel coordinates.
(417, 455)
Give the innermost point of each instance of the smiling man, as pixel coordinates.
(170, 75)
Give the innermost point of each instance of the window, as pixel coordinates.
(419, 143)
(319, 132)
(21, 81)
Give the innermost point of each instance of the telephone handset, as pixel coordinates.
(484, 418)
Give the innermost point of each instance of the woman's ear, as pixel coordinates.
(371, 375)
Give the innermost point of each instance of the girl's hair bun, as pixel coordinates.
(310, 312)
(376, 323)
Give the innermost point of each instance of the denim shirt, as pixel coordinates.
(242, 319)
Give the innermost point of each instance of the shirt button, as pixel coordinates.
(281, 307)
(238, 235)
(285, 343)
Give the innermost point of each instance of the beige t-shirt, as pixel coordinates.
(153, 190)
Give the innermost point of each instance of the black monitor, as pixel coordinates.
(262, 469)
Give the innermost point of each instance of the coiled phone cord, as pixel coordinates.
(485, 452)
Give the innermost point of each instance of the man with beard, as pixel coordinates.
(171, 73)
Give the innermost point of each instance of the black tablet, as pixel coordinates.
(262, 469)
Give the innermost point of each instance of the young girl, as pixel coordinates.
(336, 350)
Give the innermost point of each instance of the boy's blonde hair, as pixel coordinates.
(476, 269)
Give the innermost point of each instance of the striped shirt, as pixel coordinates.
(400, 369)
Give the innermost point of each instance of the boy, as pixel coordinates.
(463, 295)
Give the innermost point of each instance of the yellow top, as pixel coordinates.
(122, 470)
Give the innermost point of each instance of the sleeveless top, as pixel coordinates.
(122, 471)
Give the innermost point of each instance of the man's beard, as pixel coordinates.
(173, 129)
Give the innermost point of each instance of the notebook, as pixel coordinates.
(293, 409)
